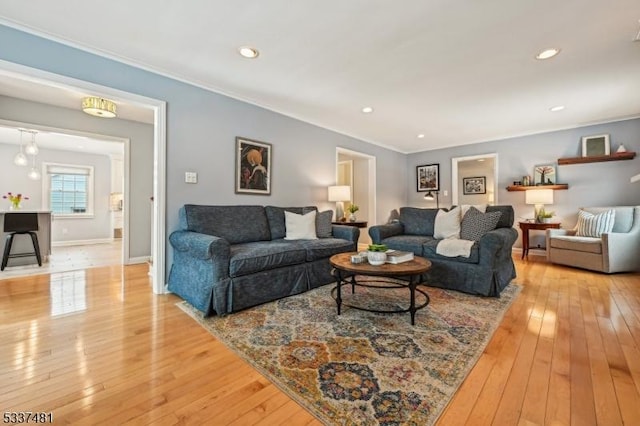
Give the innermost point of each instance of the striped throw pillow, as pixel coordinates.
(594, 225)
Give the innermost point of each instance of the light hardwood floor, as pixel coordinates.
(95, 346)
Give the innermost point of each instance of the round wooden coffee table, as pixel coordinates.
(345, 273)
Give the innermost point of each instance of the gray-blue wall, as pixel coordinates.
(201, 131)
(590, 184)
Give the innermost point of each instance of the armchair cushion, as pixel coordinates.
(582, 244)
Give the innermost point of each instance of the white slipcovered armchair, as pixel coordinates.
(617, 251)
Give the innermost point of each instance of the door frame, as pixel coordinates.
(454, 175)
(159, 107)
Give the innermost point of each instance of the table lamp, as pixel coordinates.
(538, 197)
(339, 194)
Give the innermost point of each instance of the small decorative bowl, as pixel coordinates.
(376, 258)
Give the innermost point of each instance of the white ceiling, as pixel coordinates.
(458, 72)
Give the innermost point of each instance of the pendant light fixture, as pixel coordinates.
(32, 147)
(20, 159)
(34, 173)
(99, 107)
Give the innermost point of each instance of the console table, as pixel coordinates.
(357, 223)
(527, 226)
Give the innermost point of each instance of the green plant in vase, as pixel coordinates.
(376, 254)
(352, 210)
(545, 216)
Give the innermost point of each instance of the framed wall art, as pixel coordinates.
(595, 145)
(544, 175)
(474, 185)
(428, 177)
(253, 167)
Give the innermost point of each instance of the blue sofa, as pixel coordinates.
(228, 258)
(487, 271)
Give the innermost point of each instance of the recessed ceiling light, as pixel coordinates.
(556, 108)
(367, 110)
(420, 136)
(548, 53)
(248, 52)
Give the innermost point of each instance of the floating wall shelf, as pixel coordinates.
(618, 156)
(524, 188)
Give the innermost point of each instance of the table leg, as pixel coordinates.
(525, 243)
(413, 282)
(339, 295)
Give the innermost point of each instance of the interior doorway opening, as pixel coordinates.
(474, 179)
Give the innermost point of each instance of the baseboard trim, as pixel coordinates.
(138, 260)
(81, 242)
(532, 252)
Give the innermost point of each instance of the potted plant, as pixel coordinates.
(352, 210)
(377, 254)
(545, 216)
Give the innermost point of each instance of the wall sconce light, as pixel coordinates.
(99, 107)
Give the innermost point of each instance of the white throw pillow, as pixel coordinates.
(447, 224)
(300, 227)
(465, 208)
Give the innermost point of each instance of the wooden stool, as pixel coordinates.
(20, 223)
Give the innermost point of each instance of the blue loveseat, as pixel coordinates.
(228, 258)
(488, 269)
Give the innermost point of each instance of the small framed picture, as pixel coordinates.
(544, 175)
(474, 185)
(595, 145)
(428, 177)
(253, 167)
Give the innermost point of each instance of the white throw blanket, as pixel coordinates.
(453, 247)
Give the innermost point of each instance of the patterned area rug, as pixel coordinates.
(364, 368)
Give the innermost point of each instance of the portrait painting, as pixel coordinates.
(253, 167)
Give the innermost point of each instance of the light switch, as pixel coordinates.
(191, 177)
(445, 193)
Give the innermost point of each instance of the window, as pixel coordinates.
(69, 189)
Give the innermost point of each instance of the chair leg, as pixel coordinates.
(36, 247)
(7, 249)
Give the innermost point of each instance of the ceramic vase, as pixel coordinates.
(352, 217)
(376, 258)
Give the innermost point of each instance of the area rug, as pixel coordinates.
(364, 368)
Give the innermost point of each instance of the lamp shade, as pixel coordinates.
(339, 193)
(538, 196)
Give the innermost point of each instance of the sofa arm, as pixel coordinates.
(493, 242)
(380, 232)
(200, 246)
(349, 233)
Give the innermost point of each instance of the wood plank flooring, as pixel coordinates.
(95, 346)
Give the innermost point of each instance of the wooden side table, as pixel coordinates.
(527, 226)
(357, 223)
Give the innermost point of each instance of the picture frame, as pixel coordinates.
(474, 185)
(253, 167)
(544, 174)
(597, 145)
(428, 177)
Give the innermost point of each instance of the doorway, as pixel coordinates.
(474, 179)
(358, 171)
(56, 81)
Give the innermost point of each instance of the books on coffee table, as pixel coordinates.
(397, 256)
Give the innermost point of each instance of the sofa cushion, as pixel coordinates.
(594, 225)
(507, 218)
(447, 224)
(300, 226)
(324, 248)
(323, 224)
(475, 224)
(259, 256)
(583, 244)
(624, 216)
(418, 221)
(236, 224)
(429, 251)
(411, 243)
(275, 217)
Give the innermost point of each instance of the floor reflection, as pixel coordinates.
(68, 292)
